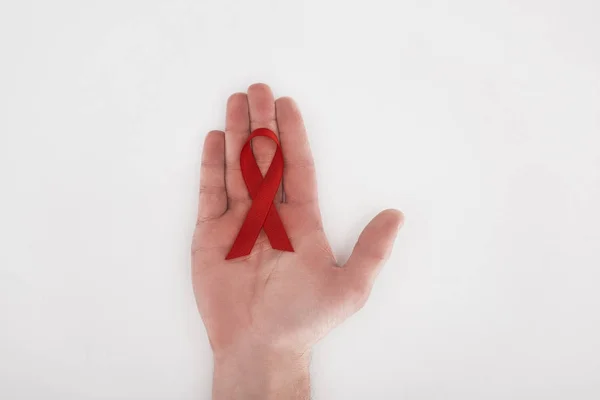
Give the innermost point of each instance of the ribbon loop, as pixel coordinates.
(262, 213)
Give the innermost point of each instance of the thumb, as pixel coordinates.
(373, 247)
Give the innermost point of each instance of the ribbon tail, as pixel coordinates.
(276, 233)
(246, 237)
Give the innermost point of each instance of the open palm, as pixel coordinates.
(272, 297)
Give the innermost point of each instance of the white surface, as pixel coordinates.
(480, 120)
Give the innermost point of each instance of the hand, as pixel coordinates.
(264, 312)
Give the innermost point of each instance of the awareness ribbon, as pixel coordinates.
(262, 213)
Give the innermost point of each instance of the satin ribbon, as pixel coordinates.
(262, 213)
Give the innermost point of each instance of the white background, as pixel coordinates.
(480, 120)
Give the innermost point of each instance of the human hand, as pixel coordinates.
(264, 312)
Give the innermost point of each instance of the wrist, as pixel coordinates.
(258, 371)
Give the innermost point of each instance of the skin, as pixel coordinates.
(264, 312)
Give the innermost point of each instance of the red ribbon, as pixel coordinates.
(262, 213)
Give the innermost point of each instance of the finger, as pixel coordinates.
(262, 115)
(372, 249)
(237, 129)
(213, 196)
(299, 178)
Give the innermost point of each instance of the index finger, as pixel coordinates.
(299, 179)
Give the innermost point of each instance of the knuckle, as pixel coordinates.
(212, 190)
